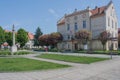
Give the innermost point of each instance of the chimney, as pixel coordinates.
(75, 10)
(88, 8)
(96, 7)
(98, 10)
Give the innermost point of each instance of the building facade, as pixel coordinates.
(30, 42)
(94, 20)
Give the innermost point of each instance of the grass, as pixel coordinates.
(23, 64)
(69, 58)
(116, 52)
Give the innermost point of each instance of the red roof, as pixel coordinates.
(30, 36)
(7, 31)
(98, 11)
(61, 21)
(95, 12)
(5, 44)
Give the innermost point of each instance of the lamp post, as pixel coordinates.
(72, 39)
(111, 47)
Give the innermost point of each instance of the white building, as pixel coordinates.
(95, 20)
(30, 42)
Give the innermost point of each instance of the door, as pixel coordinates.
(76, 46)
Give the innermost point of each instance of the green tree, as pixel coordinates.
(2, 35)
(38, 33)
(8, 38)
(84, 36)
(104, 37)
(22, 37)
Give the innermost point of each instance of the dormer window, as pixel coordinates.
(108, 21)
(75, 18)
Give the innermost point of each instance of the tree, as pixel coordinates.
(50, 39)
(119, 40)
(8, 38)
(55, 38)
(2, 36)
(84, 36)
(44, 39)
(104, 37)
(38, 33)
(22, 37)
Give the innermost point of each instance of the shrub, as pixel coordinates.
(22, 53)
(38, 49)
(5, 53)
(81, 51)
(53, 50)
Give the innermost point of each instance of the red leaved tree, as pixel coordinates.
(55, 38)
(84, 36)
(104, 37)
(50, 39)
(44, 39)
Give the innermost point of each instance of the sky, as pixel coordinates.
(30, 14)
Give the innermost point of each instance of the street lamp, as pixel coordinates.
(111, 48)
(72, 39)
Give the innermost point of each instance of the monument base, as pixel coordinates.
(14, 48)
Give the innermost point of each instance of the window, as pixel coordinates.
(68, 27)
(115, 25)
(108, 21)
(112, 24)
(68, 46)
(75, 18)
(68, 37)
(84, 24)
(76, 26)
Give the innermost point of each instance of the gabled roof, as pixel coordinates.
(61, 21)
(98, 11)
(94, 12)
(30, 36)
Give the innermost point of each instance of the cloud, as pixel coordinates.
(53, 12)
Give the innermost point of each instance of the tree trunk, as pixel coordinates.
(103, 47)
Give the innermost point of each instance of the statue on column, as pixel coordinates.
(14, 47)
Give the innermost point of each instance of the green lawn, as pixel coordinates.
(23, 64)
(76, 59)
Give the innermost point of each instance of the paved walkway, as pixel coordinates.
(104, 70)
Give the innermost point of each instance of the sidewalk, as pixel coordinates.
(104, 70)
